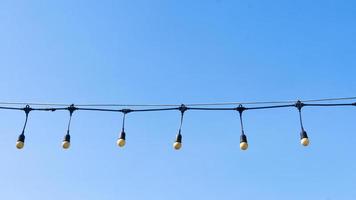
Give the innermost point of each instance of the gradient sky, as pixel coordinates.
(140, 52)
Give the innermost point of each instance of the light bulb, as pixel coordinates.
(243, 145)
(66, 141)
(304, 140)
(121, 142)
(243, 142)
(20, 145)
(20, 141)
(178, 143)
(122, 139)
(65, 144)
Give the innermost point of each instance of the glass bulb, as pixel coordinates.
(304, 141)
(121, 142)
(177, 145)
(20, 144)
(243, 145)
(65, 144)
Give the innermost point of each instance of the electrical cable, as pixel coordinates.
(171, 105)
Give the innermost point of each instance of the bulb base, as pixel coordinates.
(121, 142)
(177, 145)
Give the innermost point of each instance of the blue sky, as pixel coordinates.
(178, 52)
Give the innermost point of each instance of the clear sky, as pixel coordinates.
(183, 51)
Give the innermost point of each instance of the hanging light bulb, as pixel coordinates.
(243, 138)
(66, 141)
(178, 142)
(20, 141)
(243, 142)
(121, 142)
(304, 140)
(122, 139)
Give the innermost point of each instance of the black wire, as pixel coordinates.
(69, 122)
(25, 124)
(123, 122)
(241, 123)
(270, 107)
(178, 108)
(181, 122)
(169, 105)
(125, 110)
(300, 119)
(154, 109)
(10, 108)
(192, 108)
(330, 104)
(99, 109)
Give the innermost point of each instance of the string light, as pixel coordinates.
(66, 140)
(243, 138)
(178, 142)
(20, 143)
(122, 139)
(304, 139)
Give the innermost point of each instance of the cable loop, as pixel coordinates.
(126, 111)
(240, 109)
(299, 105)
(27, 109)
(71, 109)
(183, 108)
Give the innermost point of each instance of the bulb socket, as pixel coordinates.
(122, 135)
(304, 140)
(21, 138)
(243, 142)
(303, 134)
(243, 138)
(66, 138)
(66, 141)
(179, 138)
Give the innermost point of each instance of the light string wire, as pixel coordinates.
(77, 108)
(176, 105)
